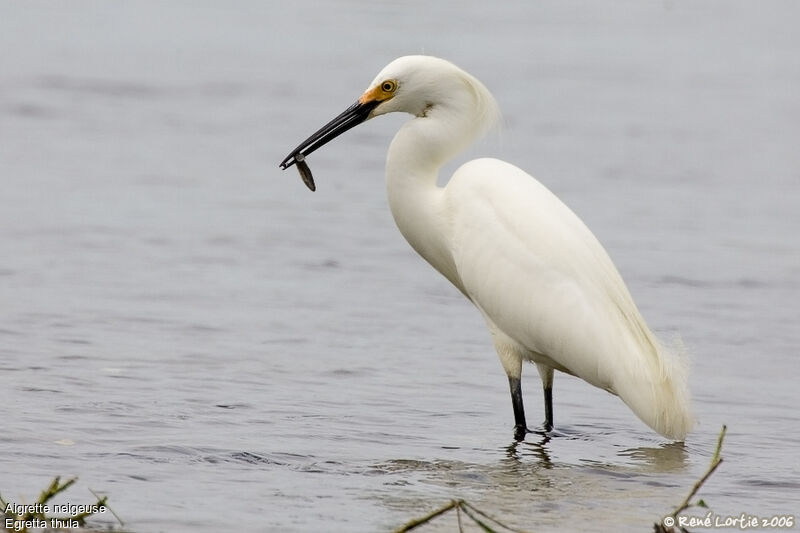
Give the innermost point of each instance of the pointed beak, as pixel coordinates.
(351, 117)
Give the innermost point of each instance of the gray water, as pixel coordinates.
(193, 333)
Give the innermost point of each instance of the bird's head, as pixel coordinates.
(417, 84)
(420, 85)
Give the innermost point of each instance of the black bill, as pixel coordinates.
(352, 116)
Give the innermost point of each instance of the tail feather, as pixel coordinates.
(657, 390)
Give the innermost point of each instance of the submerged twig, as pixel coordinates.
(477, 520)
(21, 518)
(411, 524)
(493, 519)
(716, 460)
(110, 510)
(470, 510)
(54, 489)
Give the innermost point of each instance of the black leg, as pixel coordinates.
(520, 427)
(548, 408)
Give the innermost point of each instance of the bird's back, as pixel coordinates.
(540, 276)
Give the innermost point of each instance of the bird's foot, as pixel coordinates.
(519, 432)
(545, 430)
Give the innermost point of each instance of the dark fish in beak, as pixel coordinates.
(305, 172)
(351, 117)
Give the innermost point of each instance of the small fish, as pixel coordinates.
(305, 172)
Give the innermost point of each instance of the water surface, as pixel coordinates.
(192, 332)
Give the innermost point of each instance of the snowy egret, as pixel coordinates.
(545, 286)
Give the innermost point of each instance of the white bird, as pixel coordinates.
(545, 286)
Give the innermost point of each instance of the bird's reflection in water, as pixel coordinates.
(536, 480)
(544, 458)
(534, 445)
(535, 450)
(667, 457)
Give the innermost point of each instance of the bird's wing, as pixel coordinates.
(533, 268)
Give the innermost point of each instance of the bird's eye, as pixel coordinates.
(389, 86)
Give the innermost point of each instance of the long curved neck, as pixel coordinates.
(417, 152)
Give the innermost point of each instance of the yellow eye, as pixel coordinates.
(389, 86)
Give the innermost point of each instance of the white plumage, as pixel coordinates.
(545, 286)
